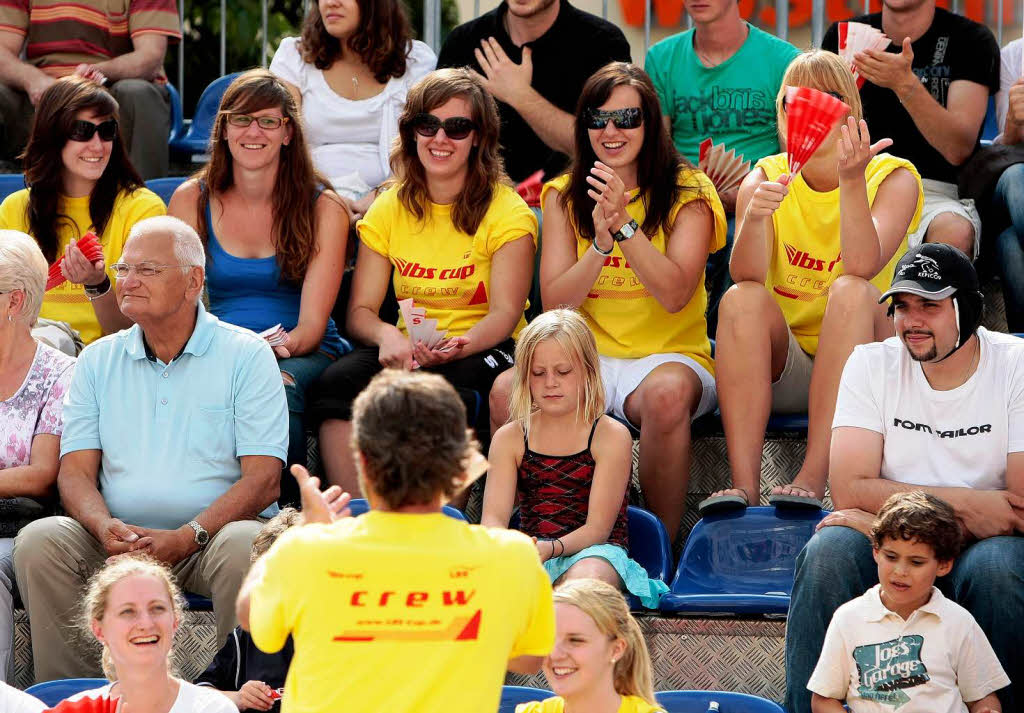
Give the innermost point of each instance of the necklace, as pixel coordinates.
(355, 87)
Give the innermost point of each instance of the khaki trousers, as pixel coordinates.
(54, 558)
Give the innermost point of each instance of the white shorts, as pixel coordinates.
(940, 197)
(622, 377)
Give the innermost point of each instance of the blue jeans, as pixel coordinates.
(304, 370)
(836, 566)
(1008, 197)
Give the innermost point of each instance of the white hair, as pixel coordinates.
(23, 267)
(188, 248)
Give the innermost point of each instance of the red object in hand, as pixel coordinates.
(529, 189)
(810, 116)
(90, 247)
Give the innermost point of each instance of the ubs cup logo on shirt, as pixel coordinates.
(885, 669)
(805, 261)
(443, 294)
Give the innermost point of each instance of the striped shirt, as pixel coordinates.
(61, 34)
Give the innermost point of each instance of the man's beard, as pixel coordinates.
(927, 356)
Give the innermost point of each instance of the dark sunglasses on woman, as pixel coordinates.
(630, 118)
(83, 130)
(837, 95)
(455, 128)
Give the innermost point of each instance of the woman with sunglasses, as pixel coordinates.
(453, 237)
(350, 72)
(627, 232)
(80, 180)
(275, 237)
(813, 252)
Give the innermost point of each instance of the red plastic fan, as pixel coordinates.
(856, 37)
(810, 115)
(529, 189)
(90, 247)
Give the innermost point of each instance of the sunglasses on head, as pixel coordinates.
(837, 95)
(630, 118)
(83, 130)
(455, 127)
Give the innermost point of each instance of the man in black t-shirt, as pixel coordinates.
(534, 56)
(929, 92)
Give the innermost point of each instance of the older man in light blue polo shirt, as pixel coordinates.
(175, 434)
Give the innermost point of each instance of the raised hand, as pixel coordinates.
(320, 506)
(856, 149)
(507, 81)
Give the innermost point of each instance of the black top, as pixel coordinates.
(564, 57)
(953, 48)
(239, 661)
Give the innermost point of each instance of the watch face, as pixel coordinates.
(202, 537)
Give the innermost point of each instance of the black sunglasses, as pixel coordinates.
(456, 127)
(83, 130)
(837, 95)
(630, 118)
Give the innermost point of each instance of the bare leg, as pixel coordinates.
(952, 229)
(750, 353)
(336, 454)
(852, 316)
(593, 568)
(662, 406)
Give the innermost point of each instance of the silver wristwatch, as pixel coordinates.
(626, 232)
(202, 536)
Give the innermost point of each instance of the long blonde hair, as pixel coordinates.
(824, 71)
(606, 606)
(97, 594)
(570, 331)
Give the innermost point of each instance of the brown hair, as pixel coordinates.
(921, 517)
(658, 163)
(382, 41)
(274, 528)
(297, 186)
(485, 165)
(97, 593)
(410, 429)
(44, 168)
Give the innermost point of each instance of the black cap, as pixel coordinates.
(933, 271)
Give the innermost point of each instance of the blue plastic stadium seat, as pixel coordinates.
(740, 562)
(165, 187)
(699, 701)
(990, 128)
(358, 506)
(196, 140)
(177, 115)
(53, 692)
(512, 696)
(788, 423)
(195, 602)
(11, 183)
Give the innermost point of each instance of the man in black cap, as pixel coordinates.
(939, 408)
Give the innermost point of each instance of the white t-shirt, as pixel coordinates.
(1009, 72)
(931, 663)
(14, 701)
(350, 139)
(191, 699)
(958, 438)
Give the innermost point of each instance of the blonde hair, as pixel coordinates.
(23, 267)
(570, 331)
(606, 606)
(824, 71)
(274, 528)
(97, 594)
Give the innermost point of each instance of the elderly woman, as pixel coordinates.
(33, 381)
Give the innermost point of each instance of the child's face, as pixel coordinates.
(907, 570)
(554, 379)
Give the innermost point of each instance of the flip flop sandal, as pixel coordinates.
(795, 501)
(721, 503)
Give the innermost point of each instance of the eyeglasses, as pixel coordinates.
(143, 269)
(83, 130)
(630, 118)
(455, 127)
(837, 95)
(243, 121)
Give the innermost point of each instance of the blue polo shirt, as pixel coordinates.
(172, 434)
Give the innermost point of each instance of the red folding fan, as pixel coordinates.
(856, 37)
(90, 247)
(810, 115)
(725, 169)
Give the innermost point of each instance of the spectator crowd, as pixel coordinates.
(355, 265)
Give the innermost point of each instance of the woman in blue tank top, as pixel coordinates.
(275, 236)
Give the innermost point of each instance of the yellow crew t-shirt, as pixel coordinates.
(401, 613)
(68, 302)
(442, 269)
(626, 319)
(630, 704)
(805, 258)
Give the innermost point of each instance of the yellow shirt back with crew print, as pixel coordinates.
(67, 302)
(442, 269)
(626, 319)
(805, 259)
(629, 704)
(401, 612)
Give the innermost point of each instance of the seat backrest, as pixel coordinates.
(11, 183)
(990, 127)
(512, 696)
(165, 187)
(700, 702)
(359, 506)
(746, 551)
(53, 692)
(206, 109)
(177, 113)
(648, 544)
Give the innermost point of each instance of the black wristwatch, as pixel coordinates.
(202, 537)
(94, 291)
(626, 232)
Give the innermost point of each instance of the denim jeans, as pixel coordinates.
(836, 566)
(304, 370)
(1008, 197)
